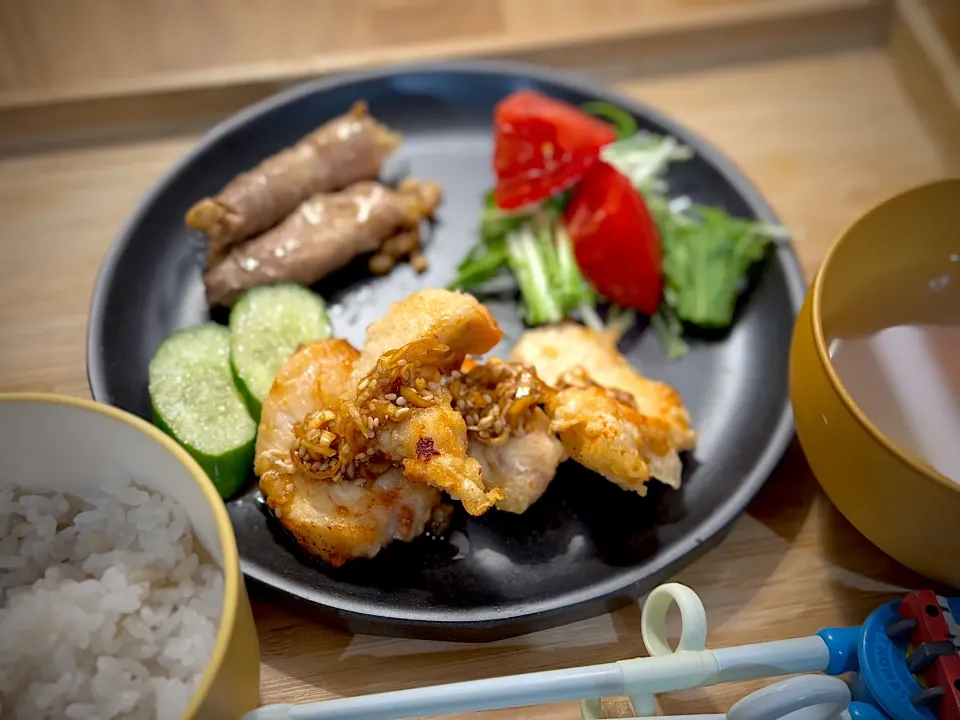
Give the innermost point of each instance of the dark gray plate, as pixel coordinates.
(586, 546)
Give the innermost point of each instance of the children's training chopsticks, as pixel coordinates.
(905, 657)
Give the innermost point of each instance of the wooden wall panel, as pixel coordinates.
(923, 50)
(64, 43)
(947, 15)
(110, 47)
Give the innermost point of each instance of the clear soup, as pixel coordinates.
(906, 379)
(889, 307)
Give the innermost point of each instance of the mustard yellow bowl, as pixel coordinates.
(55, 444)
(899, 264)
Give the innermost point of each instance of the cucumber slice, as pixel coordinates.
(195, 401)
(267, 325)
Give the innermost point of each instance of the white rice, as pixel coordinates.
(105, 609)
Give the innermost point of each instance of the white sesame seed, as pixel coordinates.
(390, 397)
(401, 362)
(363, 384)
(485, 423)
(401, 401)
(487, 399)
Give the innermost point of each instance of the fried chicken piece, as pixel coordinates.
(556, 349)
(347, 149)
(335, 521)
(610, 418)
(432, 446)
(523, 466)
(609, 436)
(509, 434)
(406, 409)
(322, 235)
(454, 319)
(402, 394)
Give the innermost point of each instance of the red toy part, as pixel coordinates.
(924, 607)
(934, 653)
(945, 673)
(953, 623)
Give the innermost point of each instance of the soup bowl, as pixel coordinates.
(57, 444)
(897, 266)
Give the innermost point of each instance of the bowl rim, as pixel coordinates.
(228, 543)
(823, 352)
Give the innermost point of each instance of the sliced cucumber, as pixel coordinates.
(195, 401)
(266, 326)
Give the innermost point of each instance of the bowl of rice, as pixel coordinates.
(120, 588)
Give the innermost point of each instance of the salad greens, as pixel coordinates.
(706, 257)
(623, 122)
(706, 251)
(538, 252)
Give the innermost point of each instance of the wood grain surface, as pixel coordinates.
(823, 137)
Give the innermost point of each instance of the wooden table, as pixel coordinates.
(824, 135)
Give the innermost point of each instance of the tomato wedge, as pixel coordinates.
(615, 239)
(543, 146)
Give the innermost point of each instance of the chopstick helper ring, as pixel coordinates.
(905, 661)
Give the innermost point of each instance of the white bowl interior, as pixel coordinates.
(53, 447)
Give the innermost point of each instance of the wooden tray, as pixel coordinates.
(828, 105)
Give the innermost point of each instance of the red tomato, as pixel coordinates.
(615, 239)
(543, 146)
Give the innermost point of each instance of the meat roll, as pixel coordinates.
(321, 236)
(343, 151)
